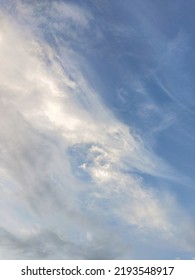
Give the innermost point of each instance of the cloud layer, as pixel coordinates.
(71, 174)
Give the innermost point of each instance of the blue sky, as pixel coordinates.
(97, 129)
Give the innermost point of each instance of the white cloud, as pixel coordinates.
(71, 12)
(48, 111)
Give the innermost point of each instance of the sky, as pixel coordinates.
(97, 139)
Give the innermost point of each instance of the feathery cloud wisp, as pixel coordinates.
(70, 171)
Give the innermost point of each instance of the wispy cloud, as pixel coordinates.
(71, 176)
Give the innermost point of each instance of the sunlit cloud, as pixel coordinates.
(71, 173)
